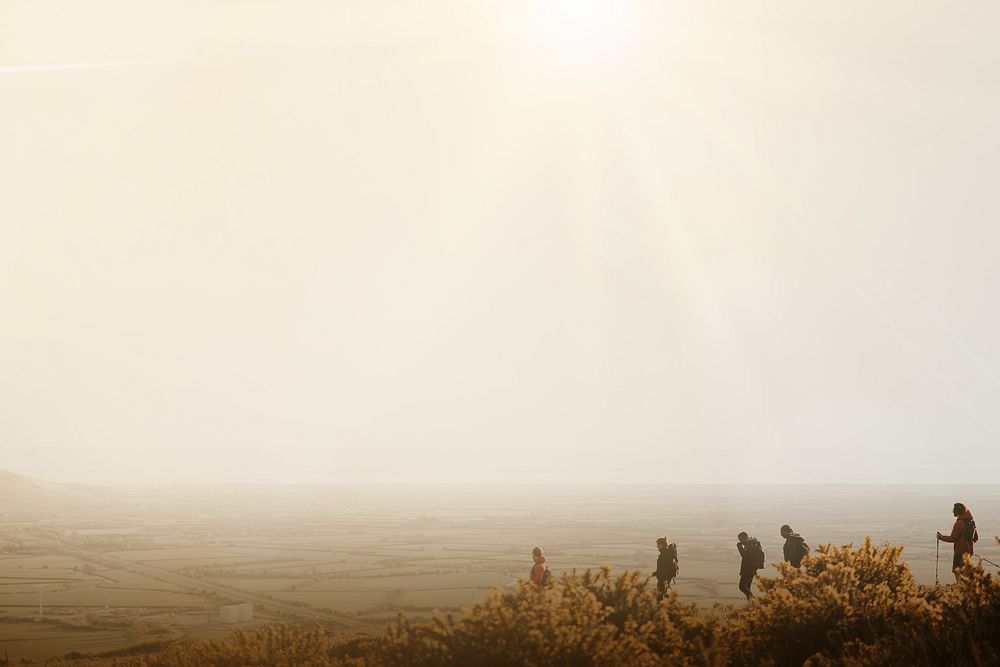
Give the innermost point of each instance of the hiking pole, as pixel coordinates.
(981, 559)
(937, 559)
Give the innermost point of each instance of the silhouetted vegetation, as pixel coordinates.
(846, 606)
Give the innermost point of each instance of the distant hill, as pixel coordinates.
(27, 498)
(26, 494)
(13, 485)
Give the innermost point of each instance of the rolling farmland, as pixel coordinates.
(120, 567)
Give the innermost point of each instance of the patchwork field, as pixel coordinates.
(153, 569)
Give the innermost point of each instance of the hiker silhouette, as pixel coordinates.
(751, 560)
(795, 548)
(540, 570)
(963, 536)
(666, 566)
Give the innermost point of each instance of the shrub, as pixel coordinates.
(839, 598)
(581, 619)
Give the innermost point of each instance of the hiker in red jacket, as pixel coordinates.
(963, 536)
(540, 570)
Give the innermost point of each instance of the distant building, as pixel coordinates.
(230, 613)
(236, 613)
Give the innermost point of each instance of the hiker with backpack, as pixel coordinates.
(963, 535)
(751, 560)
(795, 547)
(666, 566)
(540, 570)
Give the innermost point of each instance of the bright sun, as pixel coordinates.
(574, 39)
(586, 28)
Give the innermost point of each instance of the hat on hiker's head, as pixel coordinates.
(959, 508)
(786, 530)
(661, 541)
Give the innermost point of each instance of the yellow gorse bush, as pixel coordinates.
(839, 599)
(589, 618)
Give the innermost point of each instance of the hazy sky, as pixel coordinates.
(568, 241)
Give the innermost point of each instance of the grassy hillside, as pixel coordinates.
(846, 606)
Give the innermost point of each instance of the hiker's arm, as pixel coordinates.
(956, 532)
(739, 547)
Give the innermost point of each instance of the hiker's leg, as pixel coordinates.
(745, 581)
(956, 563)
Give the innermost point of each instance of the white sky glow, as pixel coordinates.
(539, 241)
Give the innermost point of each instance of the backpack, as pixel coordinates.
(675, 562)
(755, 553)
(970, 530)
(546, 574)
(802, 548)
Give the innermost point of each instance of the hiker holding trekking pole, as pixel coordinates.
(963, 536)
(751, 560)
